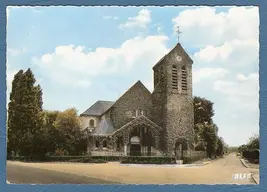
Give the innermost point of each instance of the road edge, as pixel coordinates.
(254, 176)
(257, 181)
(244, 163)
(170, 165)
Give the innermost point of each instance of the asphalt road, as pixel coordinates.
(221, 171)
(27, 175)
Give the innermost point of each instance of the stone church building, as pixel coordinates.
(144, 123)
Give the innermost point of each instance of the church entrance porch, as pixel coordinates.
(135, 146)
(139, 137)
(141, 141)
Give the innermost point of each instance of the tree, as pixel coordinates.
(24, 120)
(208, 133)
(203, 111)
(13, 116)
(220, 150)
(254, 142)
(49, 132)
(70, 137)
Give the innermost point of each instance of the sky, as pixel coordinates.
(83, 54)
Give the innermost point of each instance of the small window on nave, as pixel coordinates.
(92, 123)
(144, 113)
(139, 112)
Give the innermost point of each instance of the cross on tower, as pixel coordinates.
(178, 32)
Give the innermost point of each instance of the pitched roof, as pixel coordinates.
(177, 46)
(105, 127)
(137, 84)
(98, 108)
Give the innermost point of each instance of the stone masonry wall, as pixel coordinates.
(136, 98)
(177, 105)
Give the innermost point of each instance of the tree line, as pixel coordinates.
(206, 131)
(33, 131)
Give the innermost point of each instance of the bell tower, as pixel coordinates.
(172, 99)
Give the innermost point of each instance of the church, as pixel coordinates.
(141, 123)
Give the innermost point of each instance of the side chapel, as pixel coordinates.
(144, 123)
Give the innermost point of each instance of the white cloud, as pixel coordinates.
(141, 20)
(246, 87)
(71, 65)
(15, 52)
(9, 78)
(215, 28)
(208, 74)
(234, 53)
(243, 92)
(225, 64)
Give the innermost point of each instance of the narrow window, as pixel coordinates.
(133, 114)
(161, 75)
(184, 79)
(139, 112)
(92, 123)
(105, 144)
(157, 78)
(143, 112)
(96, 143)
(174, 77)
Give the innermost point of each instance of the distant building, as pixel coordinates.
(145, 123)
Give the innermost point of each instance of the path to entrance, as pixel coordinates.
(218, 172)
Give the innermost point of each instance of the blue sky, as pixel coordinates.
(83, 54)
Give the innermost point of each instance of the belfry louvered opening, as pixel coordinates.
(161, 75)
(174, 77)
(184, 79)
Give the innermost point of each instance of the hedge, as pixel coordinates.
(251, 154)
(147, 160)
(85, 159)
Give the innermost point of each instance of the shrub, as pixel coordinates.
(251, 154)
(147, 160)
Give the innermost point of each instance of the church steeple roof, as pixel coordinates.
(181, 49)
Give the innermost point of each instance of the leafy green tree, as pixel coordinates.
(70, 136)
(208, 133)
(203, 111)
(25, 119)
(13, 116)
(254, 142)
(220, 149)
(49, 132)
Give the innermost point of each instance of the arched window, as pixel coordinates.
(184, 79)
(92, 123)
(174, 77)
(105, 143)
